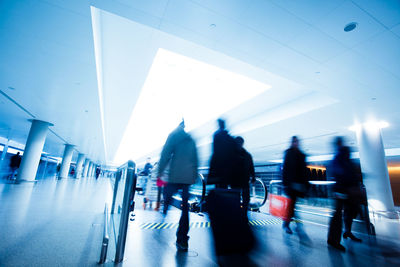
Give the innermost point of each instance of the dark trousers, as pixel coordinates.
(183, 228)
(293, 196)
(335, 224)
(160, 190)
(245, 192)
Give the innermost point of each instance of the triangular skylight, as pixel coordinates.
(181, 87)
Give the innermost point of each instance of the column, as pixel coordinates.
(90, 169)
(374, 168)
(86, 168)
(33, 150)
(3, 155)
(66, 161)
(79, 165)
(94, 170)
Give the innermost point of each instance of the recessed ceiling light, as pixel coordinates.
(212, 26)
(351, 26)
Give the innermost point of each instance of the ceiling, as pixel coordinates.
(82, 65)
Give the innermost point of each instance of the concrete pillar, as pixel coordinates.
(374, 168)
(94, 170)
(90, 169)
(79, 165)
(33, 150)
(3, 155)
(86, 168)
(66, 161)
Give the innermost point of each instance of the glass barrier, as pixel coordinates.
(124, 187)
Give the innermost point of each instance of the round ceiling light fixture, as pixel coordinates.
(212, 26)
(351, 26)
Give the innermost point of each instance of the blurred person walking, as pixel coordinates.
(230, 166)
(222, 163)
(244, 172)
(98, 171)
(181, 152)
(294, 179)
(147, 168)
(14, 165)
(348, 193)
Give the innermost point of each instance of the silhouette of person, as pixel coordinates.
(223, 157)
(294, 178)
(15, 162)
(244, 172)
(181, 153)
(347, 194)
(147, 168)
(98, 171)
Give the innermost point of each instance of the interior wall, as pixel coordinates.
(394, 175)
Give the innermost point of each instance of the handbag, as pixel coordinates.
(160, 183)
(281, 206)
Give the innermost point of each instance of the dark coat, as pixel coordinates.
(343, 171)
(244, 169)
(181, 153)
(223, 157)
(15, 161)
(294, 169)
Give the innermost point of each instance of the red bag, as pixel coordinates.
(160, 183)
(281, 206)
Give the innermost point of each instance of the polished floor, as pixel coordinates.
(60, 223)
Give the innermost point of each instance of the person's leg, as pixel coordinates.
(183, 227)
(335, 224)
(168, 192)
(158, 194)
(246, 197)
(290, 210)
(350, 212)
(158, 198)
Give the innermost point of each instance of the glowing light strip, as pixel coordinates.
(96, 26)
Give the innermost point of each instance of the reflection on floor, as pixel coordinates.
(59, 223)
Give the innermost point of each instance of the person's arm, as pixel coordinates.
(252, 171)
(285, 170)
(166, 155)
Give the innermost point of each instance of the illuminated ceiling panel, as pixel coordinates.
(181, 87)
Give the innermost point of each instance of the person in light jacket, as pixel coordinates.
(181, 153)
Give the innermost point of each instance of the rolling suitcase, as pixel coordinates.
(229, 223)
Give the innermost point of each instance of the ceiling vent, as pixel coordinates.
(351, 26)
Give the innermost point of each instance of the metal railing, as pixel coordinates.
(258, 195)
(106, 237)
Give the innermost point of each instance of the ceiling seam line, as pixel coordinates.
(269, 37)
(26, 111)
(17, 104)
(369, 14)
